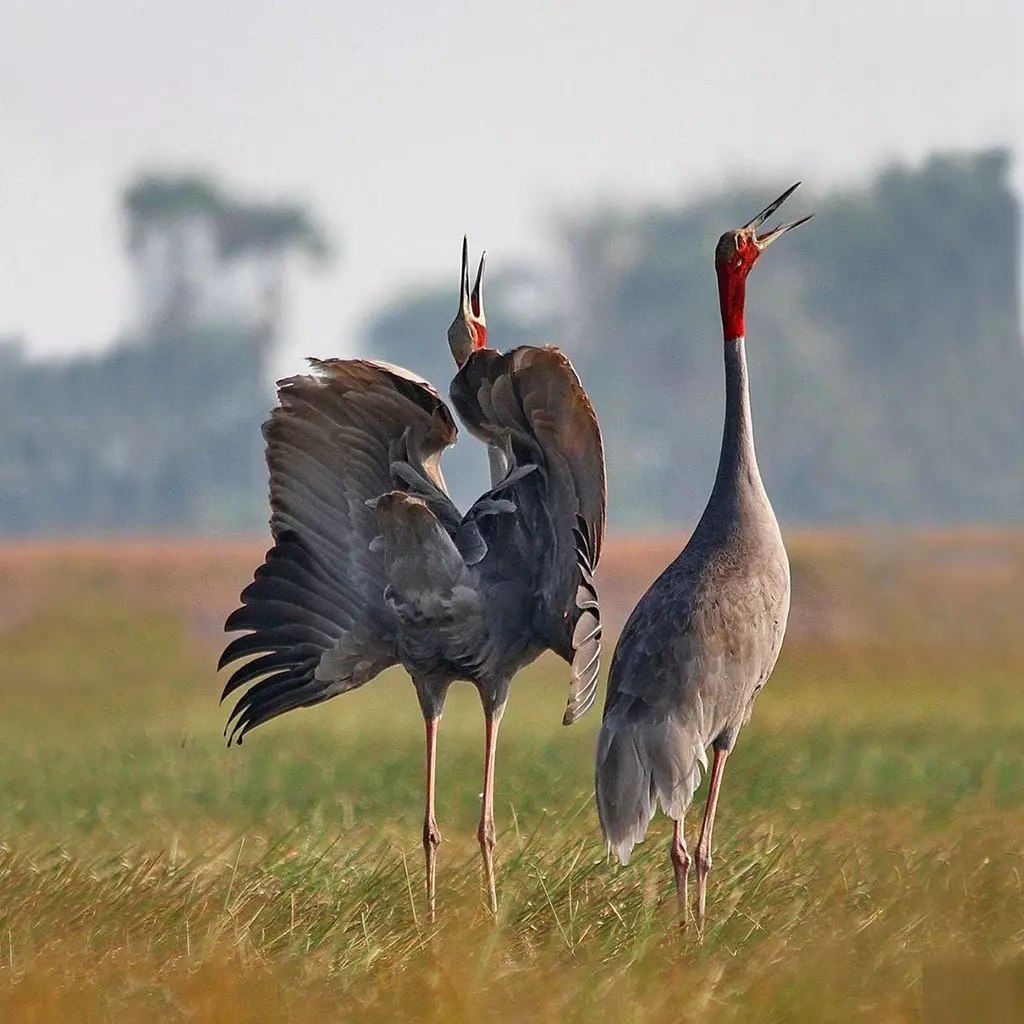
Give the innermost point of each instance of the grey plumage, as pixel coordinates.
(373, 565)
(704, 639)
(327, 610)
(698, 646)
(315, 610)
(528, 403)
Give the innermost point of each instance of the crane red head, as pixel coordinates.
(737, 251)
(468, 331)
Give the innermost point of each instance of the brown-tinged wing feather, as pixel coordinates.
(530, 401)
(314, 612)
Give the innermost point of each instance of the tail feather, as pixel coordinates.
(626, 796)
(638, 764)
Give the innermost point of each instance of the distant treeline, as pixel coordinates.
(161, 432)
(148, 437)
(886, 361)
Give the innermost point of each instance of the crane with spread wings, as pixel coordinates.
(372, 564)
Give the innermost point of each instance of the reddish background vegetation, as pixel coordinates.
(956, 591)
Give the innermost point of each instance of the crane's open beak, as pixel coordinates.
(471, 303)
(763, 241)
(468, 331)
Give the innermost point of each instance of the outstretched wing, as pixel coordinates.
(530, 403)
(314, 612)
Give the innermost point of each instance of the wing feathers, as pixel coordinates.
(265, 663)
(530, 402)
(314, 613)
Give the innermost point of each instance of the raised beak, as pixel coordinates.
(763, 241)
(476, 298)
(465, 309)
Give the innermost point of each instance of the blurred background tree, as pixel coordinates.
(161, 432)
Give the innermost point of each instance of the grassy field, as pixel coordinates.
(869, 860)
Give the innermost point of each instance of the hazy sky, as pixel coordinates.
(407, 124)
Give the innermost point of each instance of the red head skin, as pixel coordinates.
(466, 328)
(478, 333)
(467, 334)
(737, 252)
(477, 323)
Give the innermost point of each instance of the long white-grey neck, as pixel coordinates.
(738, 477)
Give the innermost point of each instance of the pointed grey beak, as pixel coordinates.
(476, 297)
(460, 333)
(465, 308)
(763, 241)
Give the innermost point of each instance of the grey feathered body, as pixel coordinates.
(700, 644)
(451, 620)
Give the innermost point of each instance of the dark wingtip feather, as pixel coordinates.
(332, 441)
(240, 647)
(302, 656)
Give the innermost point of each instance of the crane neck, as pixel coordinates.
(738, 476)
(732, 299)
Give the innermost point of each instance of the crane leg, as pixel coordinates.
(431, 835)
(681, 866)
(704, 843)
(486, 831)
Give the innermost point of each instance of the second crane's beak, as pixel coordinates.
(763, 241)
(471, 303)
(465, 310)
(468, 331)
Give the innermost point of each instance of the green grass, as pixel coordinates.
(870, 827)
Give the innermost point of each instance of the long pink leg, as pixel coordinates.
(431, 836)
(704, 843)
(681, 865)
(486, 831)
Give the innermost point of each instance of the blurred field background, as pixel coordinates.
(870, 830)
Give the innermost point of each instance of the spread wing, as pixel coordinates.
(530, 403)
(314, 612)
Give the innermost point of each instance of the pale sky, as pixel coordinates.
(407, 124)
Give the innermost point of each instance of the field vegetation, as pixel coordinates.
(869, 862)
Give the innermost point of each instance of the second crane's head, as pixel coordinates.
(468, 331)
(737, 251)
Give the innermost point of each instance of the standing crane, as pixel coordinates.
(373, 565)
(703, 640)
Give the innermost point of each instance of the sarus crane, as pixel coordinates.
(372, 565)
(702, 641)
